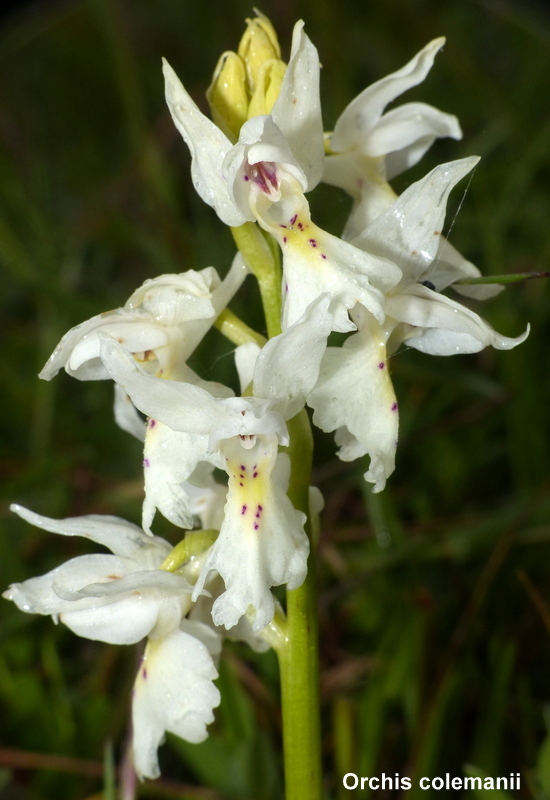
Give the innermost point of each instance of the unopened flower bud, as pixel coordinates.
(258, 44)
(270, 78)
(228, 95)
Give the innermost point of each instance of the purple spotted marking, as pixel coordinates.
(243, 511)
(152, 423)
(256, 526)
(394, 407)
(264, 175)
(300, 226)
(294, 218)
(146, 462)
(144, 673)
(259, 512)
(284, 239)
(246, 178)
(312, 242)
(243, 468)
(255, 475)
(282, 226)
(381, 365)
(286, 288)
(241, 484)
(323, 255)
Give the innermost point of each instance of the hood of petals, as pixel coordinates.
(260, 140)
(247, 417)
(146, 603)
(173, 299)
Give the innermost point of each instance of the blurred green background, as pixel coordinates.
(434, 603)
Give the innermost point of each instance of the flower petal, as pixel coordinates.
(409, 232)
(297, 110)
(448, 327)
(207, 501)
(126, 415)
(174, 692)
(246, 356)
(354, 396)
(287, 367)
(126, 621)
(177, 298)
(315, 262)
(260, 140)
(405, 133)
(208, 147)
(121, 537)
(181, 406)
(247, 417)
(122, 611)
(262, 542)
(451, 266)
(38, 596)
(169, 458)
(78, 350)
(363, 113)
(241, 632)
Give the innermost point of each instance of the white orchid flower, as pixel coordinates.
(122, 598)
(262, 542)
(118, 598)
(161, 324)
(354, 395)
(369, 147)
(263, 178)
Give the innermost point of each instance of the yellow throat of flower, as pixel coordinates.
(247, 83)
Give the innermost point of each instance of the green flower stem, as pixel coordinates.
(295, 641)
(237, 331)
(263, 260)
(195, 542)
(299, 658)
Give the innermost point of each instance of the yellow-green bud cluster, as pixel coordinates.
(247, 83)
